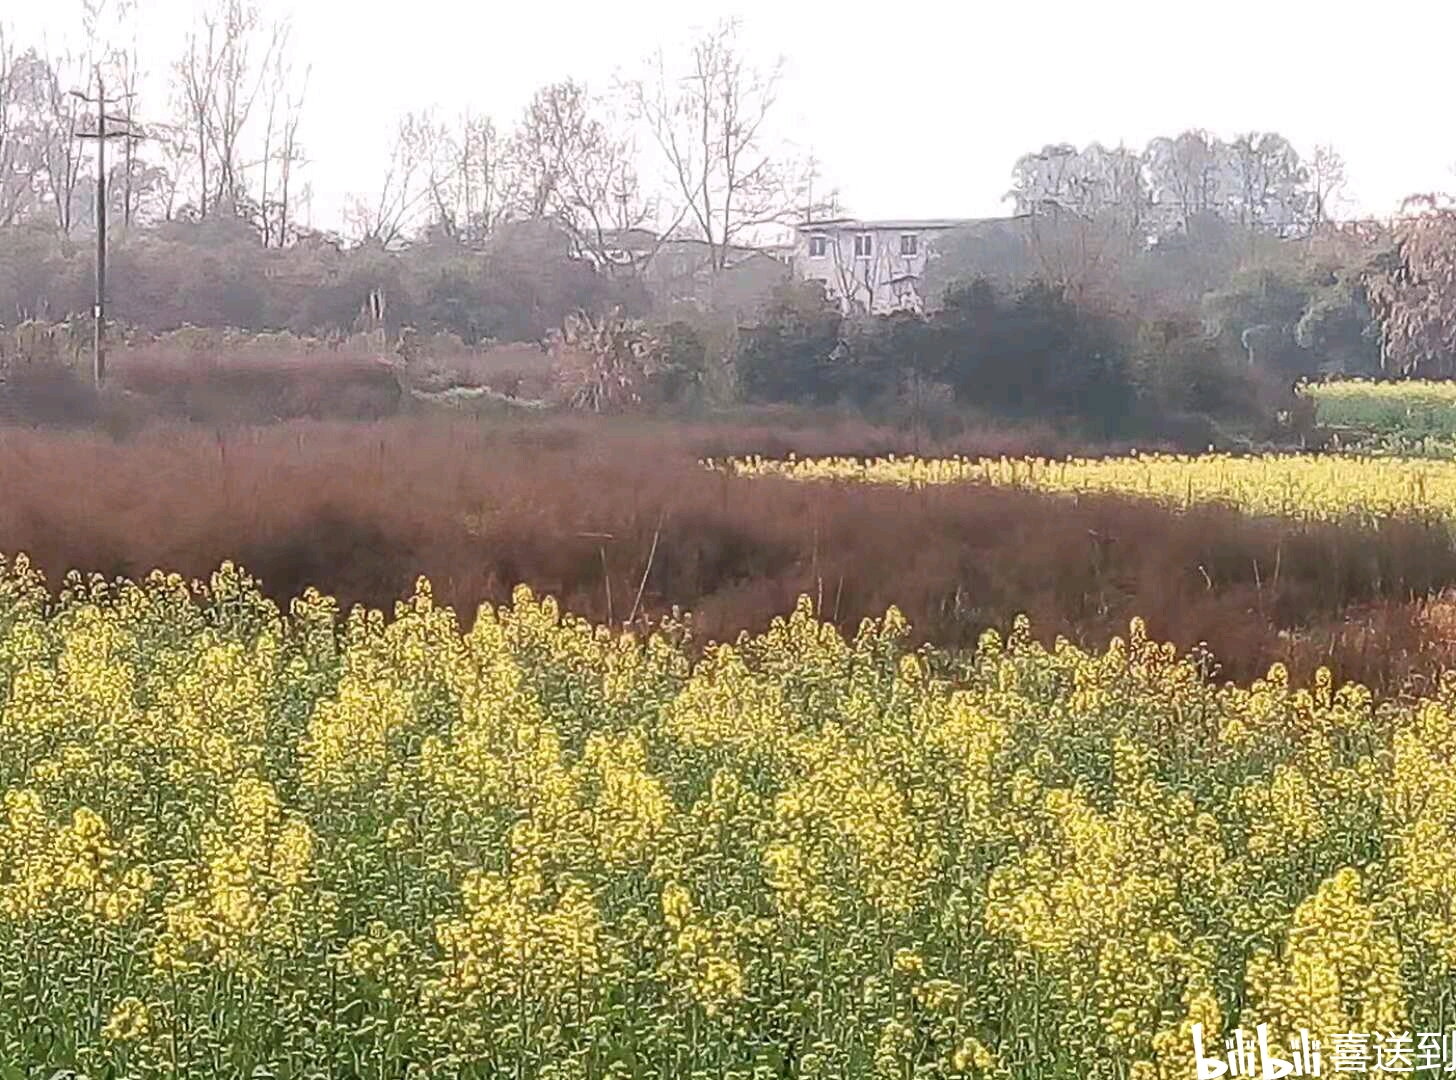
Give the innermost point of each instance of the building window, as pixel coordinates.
(862, 246)
(817, 246)
(909, 244)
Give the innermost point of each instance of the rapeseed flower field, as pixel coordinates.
(1320, 487)
(240, 841)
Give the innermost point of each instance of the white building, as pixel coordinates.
(870, 266)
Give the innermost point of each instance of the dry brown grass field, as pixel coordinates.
(595, 512)
(225, 377)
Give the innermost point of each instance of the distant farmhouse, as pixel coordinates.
(877, 267)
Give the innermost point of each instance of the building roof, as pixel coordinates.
(906, 224)
(902, 224)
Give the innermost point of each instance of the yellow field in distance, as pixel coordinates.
(1304, 486)
(1441, 392)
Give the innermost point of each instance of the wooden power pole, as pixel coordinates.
(101, 134)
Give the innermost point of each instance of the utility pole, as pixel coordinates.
(101, 134)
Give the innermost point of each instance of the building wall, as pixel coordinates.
(867, 283)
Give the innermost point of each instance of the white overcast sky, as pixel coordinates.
(914, 110)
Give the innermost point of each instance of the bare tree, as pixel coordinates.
(1251, 180)
(486, 184)
(574, 165)
(709, 126)
(196, 75)
(56, 115)
(827, 203)
(1183, 176)
(240, 80)
(280, 142)
(539, 144)
(1075, 189)
(442, 168)
(470, 180)
(178, 155)
(265, 211)
(102, 22)
(386, 218)
(14, 180)
(1074, 251)
(1268, 183)
(105, 23)
(1327, 182)
(1052, 175)
(40, 158)
(290, 156)
(859, 272)
(218, 80)
(127, 80)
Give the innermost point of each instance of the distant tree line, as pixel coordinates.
(1256, 181)
(682, 146)
(1029, 353)
(1195, 337)
(1192, 278)
(472, 227)
(516, 286)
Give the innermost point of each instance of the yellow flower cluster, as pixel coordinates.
(235, 841)
(1301, 486)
